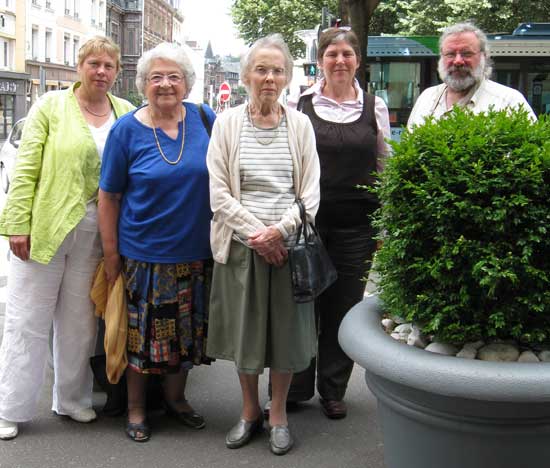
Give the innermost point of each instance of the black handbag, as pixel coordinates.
(310, 265)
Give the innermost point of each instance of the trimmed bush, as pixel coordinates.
(466, 219)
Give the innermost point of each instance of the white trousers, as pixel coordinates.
(39, 295)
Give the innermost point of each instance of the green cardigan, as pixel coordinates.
(56, 174)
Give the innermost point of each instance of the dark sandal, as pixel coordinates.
(191, 418)
(133, 430)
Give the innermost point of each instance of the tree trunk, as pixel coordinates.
(359, 14)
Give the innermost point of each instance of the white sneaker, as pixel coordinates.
(8, 429)
(84, 415)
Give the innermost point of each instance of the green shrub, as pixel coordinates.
(466, 214)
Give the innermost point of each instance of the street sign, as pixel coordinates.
(225, 92)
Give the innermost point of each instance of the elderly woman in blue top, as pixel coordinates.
(262, 157)
(50, 219)
(154, 218)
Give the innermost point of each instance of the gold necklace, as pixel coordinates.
(158, 142)
(97, 115)
(276, 129)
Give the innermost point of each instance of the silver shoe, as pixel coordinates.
(241, 433)
(8, 429)
(280, 440)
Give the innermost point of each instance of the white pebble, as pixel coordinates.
(498, 352)
(442, 348)
(404, 328)
(388, 324)
(467, 352)
(416, 338)
(474, 344)
(528, 356)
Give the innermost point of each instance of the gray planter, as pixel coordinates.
(445, 412)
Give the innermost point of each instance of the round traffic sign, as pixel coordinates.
(225, 92)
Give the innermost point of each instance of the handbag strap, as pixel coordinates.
(302, 228)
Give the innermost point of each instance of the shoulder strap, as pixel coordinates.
(369, 102)
(205, 121)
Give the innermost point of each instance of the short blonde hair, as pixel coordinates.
(99, 45)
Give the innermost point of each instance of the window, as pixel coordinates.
(115, 32)
(48, 45)
(5, 53)
(76, 47)
(34, 43)
(93, 11)
(66, 46)
(100, 15)
(7, 111)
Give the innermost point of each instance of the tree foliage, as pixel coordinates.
(417, 17)
(258, 18)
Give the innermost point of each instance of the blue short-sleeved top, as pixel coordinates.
(165, 211)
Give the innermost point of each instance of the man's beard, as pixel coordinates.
(465, 82)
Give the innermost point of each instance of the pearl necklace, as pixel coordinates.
(275, 129)
(158, 142)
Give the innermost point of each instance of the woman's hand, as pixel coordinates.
(112, 265)
(21, 246)
(269, 244)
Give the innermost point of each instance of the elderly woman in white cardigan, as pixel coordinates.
(261, 158)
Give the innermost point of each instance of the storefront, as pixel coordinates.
(13, 100)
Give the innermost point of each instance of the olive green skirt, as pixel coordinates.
(254, 320)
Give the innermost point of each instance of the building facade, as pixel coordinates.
(125, 27)
(55, 30)
(13, 78)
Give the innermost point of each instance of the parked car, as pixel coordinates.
(8, 154)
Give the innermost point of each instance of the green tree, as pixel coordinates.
(258, 18)
(359, 14)
(417, 17)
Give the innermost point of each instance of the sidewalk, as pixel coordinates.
(54, 442)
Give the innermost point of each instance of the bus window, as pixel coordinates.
(398, 84)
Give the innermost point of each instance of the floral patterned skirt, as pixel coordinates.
(167, 315)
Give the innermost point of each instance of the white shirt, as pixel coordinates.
(433, 102)
(349, 111)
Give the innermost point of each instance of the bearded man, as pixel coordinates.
(464, 67)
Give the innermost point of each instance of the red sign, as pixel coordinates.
(225, 92)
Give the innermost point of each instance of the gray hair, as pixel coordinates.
(466, 27)
(273, 41)
(165, 51)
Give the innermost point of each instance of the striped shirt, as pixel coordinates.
(267, 184)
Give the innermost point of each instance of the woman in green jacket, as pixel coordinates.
(50, 219)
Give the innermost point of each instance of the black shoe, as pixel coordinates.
(333, 409)
(241, 433)
(190, 418)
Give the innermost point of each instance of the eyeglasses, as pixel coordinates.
(173, 78)
(264, 71)
(465, 54)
